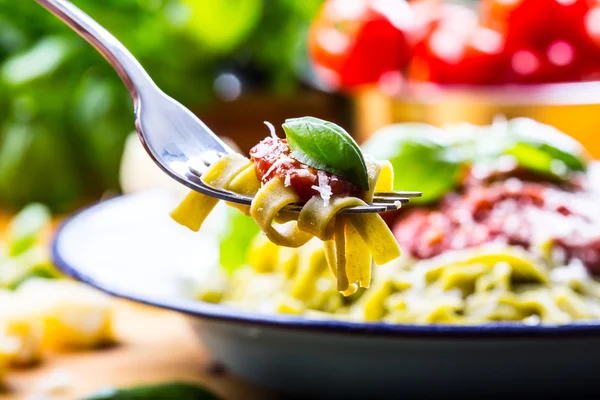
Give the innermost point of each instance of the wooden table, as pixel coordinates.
(145, 355)
(154, 346)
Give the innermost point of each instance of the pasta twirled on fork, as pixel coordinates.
(275, 179)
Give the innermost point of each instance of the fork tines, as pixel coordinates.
(382, 202)
(393, 197)
(398, 194)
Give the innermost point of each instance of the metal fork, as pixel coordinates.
(178, 141)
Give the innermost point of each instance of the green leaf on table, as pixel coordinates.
(236, 239)
(30, 263)
(326, 146)
(25, 227)
(164, 391)
(43, 270)
(421, 160)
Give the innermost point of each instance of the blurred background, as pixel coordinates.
(65, 116)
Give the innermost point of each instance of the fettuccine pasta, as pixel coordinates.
(492, 282)
(351, 242)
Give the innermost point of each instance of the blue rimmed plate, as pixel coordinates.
(129, 247)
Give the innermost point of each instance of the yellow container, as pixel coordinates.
(574, 108)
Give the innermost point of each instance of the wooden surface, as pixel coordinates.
(156, 346)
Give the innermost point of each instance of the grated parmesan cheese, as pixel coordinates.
(303, 172)
(287, 182)
(271, 129)
(276, 164)
(575, 271)
(261, 150)
(324, 189)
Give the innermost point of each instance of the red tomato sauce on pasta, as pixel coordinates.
(514, 211)
(273, 159)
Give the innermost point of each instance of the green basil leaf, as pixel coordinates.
(421, 160)
(543, 146)
(161, 391)
(533, 145)
(326, 146)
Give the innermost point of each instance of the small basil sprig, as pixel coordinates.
(326, 146)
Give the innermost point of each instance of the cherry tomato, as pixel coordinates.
(560, 61)
(450, 59)
(547, 39)
(354, 42)
(537, 23)
(517, 18)
(453, 49)
(592, 31)
(430, 15)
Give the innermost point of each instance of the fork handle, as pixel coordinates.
(130, 71)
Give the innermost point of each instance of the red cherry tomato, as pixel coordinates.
(536, 23)
(519, 19)
(450, 59)
(559, 62)
(355, 42)
(591, 25)
(430, 15)
(452, 49)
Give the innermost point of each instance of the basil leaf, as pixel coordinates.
(326, 146)
(534, 146)
(162, 391)
(421, 159)
(539, 146)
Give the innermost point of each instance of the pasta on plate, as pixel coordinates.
(514, 237)
(493, 282)
(275, 178)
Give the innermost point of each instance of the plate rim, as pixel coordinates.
(204, 310)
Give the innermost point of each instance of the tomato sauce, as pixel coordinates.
(513, 211)
(273, 159)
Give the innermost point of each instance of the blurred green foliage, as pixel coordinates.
(64, 114)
